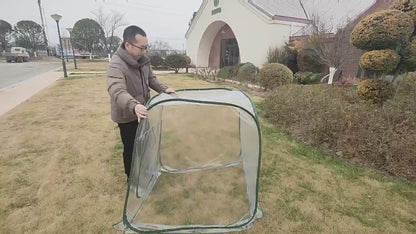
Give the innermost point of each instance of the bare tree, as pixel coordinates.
(161, 48)
(160, 45)
(109, 23)
(328, 48)
(327, 43)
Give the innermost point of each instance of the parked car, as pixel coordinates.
(17, 54)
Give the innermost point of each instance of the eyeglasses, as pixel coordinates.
(141, 48)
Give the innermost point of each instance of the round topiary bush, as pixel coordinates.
(408, 56)
(176, 61)
(156, 60)
(273, 75)
(376, 90)
(387, 29)
(247, 72)
(286, 55)
(406, 6)
(227, 72)
(380, 61)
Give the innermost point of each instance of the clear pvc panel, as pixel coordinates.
(209, 95)
(199, 136)
(209, 197)
(250, 142)
(195, 169)
(145, 168)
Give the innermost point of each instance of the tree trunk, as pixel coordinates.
(332, 71)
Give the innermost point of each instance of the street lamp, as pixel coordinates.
(72, 45)
(57, 17)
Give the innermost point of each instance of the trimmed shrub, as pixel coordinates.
(380, 61)
(284, 55)
(247, 72)
(377, 91)
(207, 73)
(156, 60)
(335, 119)
(346, 82)
(406, 6)
(405, 93)
(405, 89)
(274, 55)
(408, 57)
(273, 75)
(188, 60)
(389, 29)
(228, 72)
(308, 78)
(176, 61)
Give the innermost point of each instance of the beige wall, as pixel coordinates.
(255, 32)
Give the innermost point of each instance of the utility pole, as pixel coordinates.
(303, 8)
(43, 22)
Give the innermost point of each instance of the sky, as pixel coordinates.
(162, 20)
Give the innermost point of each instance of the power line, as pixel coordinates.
(145, 7)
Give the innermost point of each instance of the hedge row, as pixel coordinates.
(381, 137)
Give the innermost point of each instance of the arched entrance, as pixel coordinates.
(230, 53)
(219, 46)
(224, 50)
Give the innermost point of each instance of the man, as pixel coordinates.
(130, 78)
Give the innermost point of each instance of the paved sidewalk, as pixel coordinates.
(14, 95)
(163, 72)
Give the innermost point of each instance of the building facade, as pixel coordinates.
(228, 32)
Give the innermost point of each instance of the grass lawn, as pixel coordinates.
(61, 171)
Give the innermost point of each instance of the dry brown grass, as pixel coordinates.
(197, 198)
(187, 143)
(215, 196)
(85, 65)
(56, 173)
(61, 172)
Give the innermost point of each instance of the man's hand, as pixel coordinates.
(141, 112)
(170, 91)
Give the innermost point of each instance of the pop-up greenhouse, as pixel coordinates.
(196, 164)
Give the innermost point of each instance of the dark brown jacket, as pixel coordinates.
(128, 83)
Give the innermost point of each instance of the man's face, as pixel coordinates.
(139, 48)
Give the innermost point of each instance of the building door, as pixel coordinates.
(230, 54)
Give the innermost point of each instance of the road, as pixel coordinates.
(11, 74)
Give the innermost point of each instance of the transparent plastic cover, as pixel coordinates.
(196, 164)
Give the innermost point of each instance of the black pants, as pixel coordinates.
(128, 133)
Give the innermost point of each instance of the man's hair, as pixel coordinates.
(130, 33)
